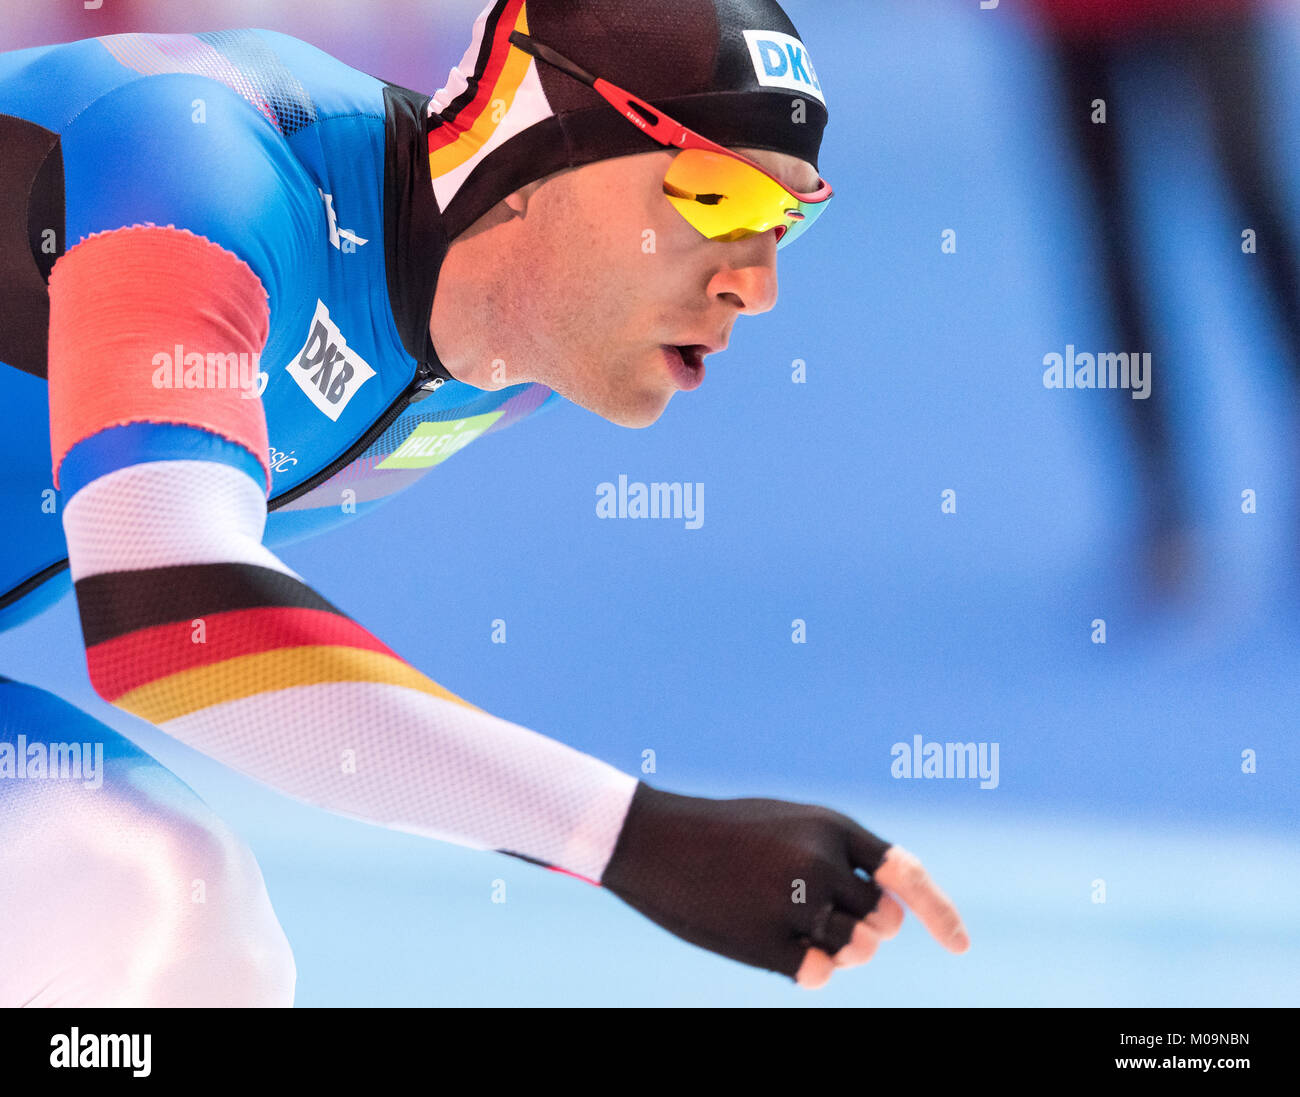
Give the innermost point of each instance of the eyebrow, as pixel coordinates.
(779, 174)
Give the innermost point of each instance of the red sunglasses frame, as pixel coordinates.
(655, 123)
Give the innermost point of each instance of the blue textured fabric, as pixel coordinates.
(116, 448)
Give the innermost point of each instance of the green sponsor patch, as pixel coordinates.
(430, 444)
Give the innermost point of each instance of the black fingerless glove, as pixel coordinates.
(759, 881)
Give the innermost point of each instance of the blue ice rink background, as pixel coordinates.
(1119, 762)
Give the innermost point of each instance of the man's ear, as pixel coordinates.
(517, 202)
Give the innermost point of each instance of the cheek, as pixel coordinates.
(645, 223)
(674, 235)
(617, 266)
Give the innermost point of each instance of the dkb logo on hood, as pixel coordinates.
(782, 61)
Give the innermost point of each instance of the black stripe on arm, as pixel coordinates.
(117, 602)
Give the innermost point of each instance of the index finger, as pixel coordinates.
(906, 877)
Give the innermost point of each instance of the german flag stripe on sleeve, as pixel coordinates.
(265, 672)
(136, 659)
(116, 603)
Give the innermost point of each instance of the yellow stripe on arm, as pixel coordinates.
(263, 672)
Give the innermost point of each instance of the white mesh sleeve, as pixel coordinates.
(299, 696)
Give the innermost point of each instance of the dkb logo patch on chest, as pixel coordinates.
(325, 369)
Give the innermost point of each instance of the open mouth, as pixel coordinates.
(686, 365)
(693, 356)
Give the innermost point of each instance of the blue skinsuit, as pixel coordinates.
(314, 174)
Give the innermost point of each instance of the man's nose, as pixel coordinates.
(748, 281)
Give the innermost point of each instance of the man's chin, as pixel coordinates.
(636, 415)
(626, 400)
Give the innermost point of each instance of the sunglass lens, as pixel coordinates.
(728, 199)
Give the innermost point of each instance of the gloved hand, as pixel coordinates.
(771, 883)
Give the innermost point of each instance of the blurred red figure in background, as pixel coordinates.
(1107, 18)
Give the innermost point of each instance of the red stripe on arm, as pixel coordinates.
(124, 663)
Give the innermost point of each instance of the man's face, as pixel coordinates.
(608, 277)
